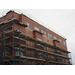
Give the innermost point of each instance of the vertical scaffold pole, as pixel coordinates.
(0, 52)
(3, 46)
(42, 54)
(33, 51)
(13, 39)
(2, 55)
(46, 53)
(19, 44)
(71, 59)
(36, 53)
(4, 40)
(25, 50)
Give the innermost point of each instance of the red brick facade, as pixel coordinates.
(36, 34)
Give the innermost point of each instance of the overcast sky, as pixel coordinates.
(61, 20)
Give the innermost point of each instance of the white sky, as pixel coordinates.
(61, 20)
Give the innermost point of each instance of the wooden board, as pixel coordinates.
(28, 47)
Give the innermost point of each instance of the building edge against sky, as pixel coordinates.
(19, 11)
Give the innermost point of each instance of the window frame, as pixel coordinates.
(28, 25)
(60, 41)
(64, 43)
(17, 51)
(50, 36)
(36, 28)
(39, 39)
(42, 31)
(45, 33)
(54, 37)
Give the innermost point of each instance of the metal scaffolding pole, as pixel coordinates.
(33, 51)
(36, 53)
(1, 45)
(42, 54)
(19, 44)
(46, 53)
(25, 50)
(4, 39)
(13, 40)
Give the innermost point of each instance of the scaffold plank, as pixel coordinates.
(8, 23)
(23, 46)
(31, 58)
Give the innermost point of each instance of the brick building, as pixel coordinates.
(26, 42)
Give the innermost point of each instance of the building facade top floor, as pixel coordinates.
(32, 25)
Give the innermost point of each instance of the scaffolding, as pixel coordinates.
(14, 52)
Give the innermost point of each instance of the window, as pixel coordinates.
(21, 53)
(52, 57)
(57, 46)
(41, 31)
(36, 28)
(45, 33)
(6, 52)
(59, 59)
(50, 36)
(28, 25)
(62, 60)
(17, 51)
(54, 38)
(58, 51)
(64, 43)
(46, 56)
(39, 39)
(66, 60)
(60, 40)
(40, 55)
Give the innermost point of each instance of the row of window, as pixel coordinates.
(49, 35)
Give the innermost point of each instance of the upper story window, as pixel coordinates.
(41, 31)
(45, 33)
(17, 51)
(50, 36)
(64, 43)
(36, 28)
(28, 25)
(54, 38)
(39, 39)
(60, 40)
